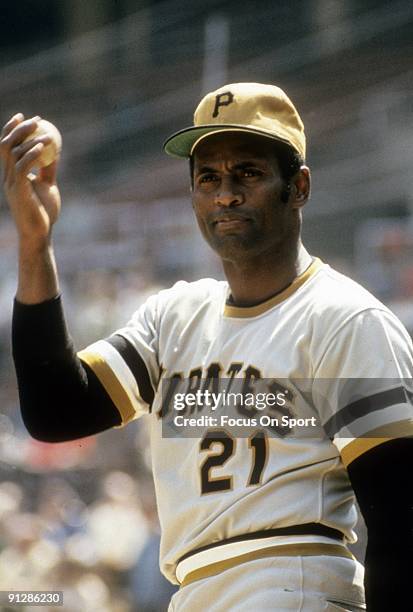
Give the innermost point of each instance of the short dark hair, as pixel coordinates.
(289, 162)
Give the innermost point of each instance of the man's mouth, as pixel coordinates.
(230, 220)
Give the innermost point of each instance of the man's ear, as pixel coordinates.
(300, 187)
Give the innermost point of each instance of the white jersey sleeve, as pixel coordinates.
(363, 383)
(126, 362)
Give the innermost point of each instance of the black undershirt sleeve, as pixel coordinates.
(383, 485)
(60, 397)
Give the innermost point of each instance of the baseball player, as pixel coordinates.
(249, 521)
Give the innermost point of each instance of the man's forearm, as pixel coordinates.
(61, 398)
(381, 480)
(388, 570)
(38, 280)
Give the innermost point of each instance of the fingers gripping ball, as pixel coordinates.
(51, 151)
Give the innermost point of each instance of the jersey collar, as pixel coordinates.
(244, 312)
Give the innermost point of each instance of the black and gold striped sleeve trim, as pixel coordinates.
(122, 373)
(374, 438)
(136, 365)
(110, 383)
(364, 406)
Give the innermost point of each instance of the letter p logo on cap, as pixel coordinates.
(257, 108)
(222, 99)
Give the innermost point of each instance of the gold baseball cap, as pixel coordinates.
(246, 107)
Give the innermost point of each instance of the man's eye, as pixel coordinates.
(250, 172)
(207, 178)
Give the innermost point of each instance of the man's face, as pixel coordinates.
(237, 197)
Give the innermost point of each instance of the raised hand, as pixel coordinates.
(34, 199)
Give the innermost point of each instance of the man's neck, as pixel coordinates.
(252, 284)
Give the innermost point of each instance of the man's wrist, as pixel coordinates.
(32, 246)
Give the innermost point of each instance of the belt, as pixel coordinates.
(299, 540)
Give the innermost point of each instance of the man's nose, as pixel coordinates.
(228, 194)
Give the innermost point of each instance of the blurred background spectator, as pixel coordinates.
(117, 77)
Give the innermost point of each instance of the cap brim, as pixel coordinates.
(182, 143)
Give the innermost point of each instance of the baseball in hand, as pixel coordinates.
(52, 150)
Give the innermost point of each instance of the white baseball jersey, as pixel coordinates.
(345, 360)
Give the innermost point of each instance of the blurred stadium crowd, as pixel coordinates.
(117, 77)
(80, 516)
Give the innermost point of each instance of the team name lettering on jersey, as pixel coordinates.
(213, 381)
